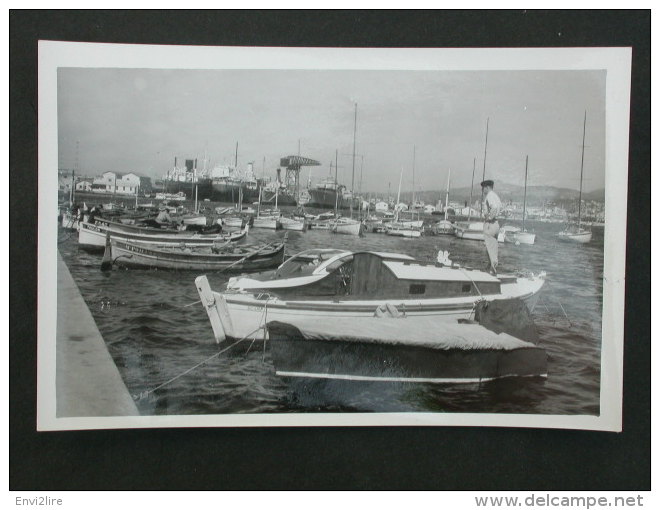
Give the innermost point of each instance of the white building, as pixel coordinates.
(84, 185)
(382, 206)
(116, 183)
(428, 208)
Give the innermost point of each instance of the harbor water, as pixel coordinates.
(156, 330)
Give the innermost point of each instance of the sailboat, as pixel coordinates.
(576, 233)
(272, 220)
(397, 227)
(349, 225)
(445, 226)
(472, 230)
(521, 236)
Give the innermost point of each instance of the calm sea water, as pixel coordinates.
(154, 332)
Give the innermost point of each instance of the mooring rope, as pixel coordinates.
(145, 394)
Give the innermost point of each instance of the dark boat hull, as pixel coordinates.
(326, 198)
(295, 356)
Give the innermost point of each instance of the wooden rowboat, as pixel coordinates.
(228, 257)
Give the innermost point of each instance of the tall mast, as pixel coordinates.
(413, 191)
(336, 186)
(354, 133)
(447, 195)
(353, 172)
(73, 175)
(584, 131)
(236, 158)
(474, 166)
(525, 194)
(481, 209)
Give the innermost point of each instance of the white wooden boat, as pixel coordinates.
(271, 222)
(576, 235)
(331, 285)
(292, 224)
(473, 231)
(92, 237)
(231, 222)
(347, 226)
(520, 237)
(398, 229)
(444, 227)
(228, 257)
(194, 219)
(507, 229)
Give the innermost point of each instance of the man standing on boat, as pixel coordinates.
(492, 209)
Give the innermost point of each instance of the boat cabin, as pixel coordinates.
(337, 274)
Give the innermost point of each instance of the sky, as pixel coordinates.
(408, 122)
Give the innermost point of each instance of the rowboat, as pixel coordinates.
(228, 257)
(332, 284)
(92, 237)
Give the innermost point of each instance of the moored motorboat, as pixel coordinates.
(329, 284)
(226, 257)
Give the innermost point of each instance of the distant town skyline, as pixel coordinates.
(139, 120)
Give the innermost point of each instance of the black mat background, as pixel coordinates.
(325, 458)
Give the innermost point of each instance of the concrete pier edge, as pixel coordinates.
(88, 382)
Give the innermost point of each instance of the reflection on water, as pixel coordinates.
(154, 333)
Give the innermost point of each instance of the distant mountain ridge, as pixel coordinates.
(508, 192)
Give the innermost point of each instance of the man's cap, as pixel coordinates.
(487, 183)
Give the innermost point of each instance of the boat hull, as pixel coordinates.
(520, 237)
(272, 223)
(247, 312)
(326, 199)
(575, 237)
(92, 237)
(348, 228)
(134, 255)
(294, 356)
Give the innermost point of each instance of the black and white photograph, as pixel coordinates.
(299, 236)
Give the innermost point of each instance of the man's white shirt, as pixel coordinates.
(493, 205)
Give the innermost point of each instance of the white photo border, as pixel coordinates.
(615, 61)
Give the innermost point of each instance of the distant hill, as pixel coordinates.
(508, 192)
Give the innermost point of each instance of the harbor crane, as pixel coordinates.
(293, 164)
